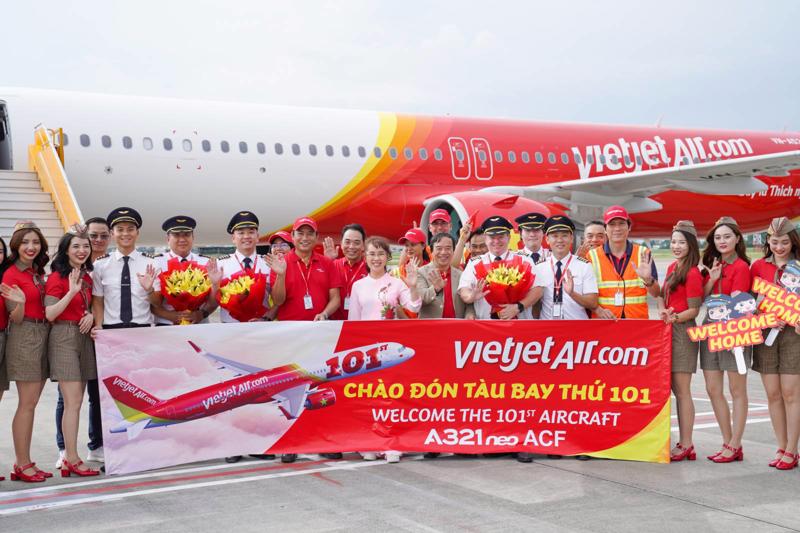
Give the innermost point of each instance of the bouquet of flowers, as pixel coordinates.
(185, 286)
(242, 295)
(507, 281)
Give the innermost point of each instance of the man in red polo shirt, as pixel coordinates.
(311, 282)
(351, 267)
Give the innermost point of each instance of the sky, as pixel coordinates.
(717, 64)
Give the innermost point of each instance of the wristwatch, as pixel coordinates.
(520, 307)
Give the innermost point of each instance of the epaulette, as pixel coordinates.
(152, 256)
(583, 259)
(207, 256)
(102, 257)
(541, 260)
(220, 258)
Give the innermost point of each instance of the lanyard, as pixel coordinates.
(307, 275)
(255, 263)
(348, 281)
(557, 282)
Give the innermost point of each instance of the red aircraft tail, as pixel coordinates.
(129, 395)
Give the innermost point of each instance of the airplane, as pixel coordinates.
(291, 388)
(387, 170)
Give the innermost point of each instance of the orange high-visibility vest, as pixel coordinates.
(609, 282)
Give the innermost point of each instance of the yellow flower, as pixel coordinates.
(192, 280)
(239, 285)
(504, 275)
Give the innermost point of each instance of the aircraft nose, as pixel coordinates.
(406, 352)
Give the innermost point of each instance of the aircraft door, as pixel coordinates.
(459, 158)
(482, 157)
(5, 138)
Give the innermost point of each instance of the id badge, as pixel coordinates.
(307, 303)
(346, 303)
(557, 310)
(619, 300)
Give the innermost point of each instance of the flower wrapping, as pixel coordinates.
(185, 285)
(507, 282)
(242, 295)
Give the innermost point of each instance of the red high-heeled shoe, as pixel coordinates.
(783, 465)
(778, 460)
(42, 472)
(738, 455)
(711, 457)
(685, 453)
(18, 474)
(67, 469)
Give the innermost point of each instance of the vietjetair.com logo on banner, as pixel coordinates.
(191, 393)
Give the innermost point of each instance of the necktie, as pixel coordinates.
(183, 259)
(247, 262)
(126, 309)
(497, 259)
(558, 291)
(535, 257)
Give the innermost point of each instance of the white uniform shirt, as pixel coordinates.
(483, 310)
(583, 277)
(161, 266)
(107, 284)
(234, 263)
(543, 252)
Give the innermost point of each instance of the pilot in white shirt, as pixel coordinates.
(564, 282)
(530, 230)
(124, 282)
(180, 239)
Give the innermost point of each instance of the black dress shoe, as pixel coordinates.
(583, 457)
(288, 457)
(554, 456)
(334, 455)
(263, 456)
(523, 457)
(233, 459)
(431, 455)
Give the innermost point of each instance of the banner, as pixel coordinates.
(181, 394)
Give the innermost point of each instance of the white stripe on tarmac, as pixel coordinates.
(120, 479)
(188, 486)
(712, 412)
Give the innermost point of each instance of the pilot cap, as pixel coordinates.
(124, 214)
(559, 223)
(241, 220)
(531, 220)
(179, 223)
(496, 226)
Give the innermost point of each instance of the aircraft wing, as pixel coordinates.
(224, 363)
(633, 189)
(291, 401)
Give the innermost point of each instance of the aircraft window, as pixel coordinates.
(498, 156)
(377, 152)
(393, 152)
(551, 158)
(167, 144)
(408, 153)
(206, 144)
(437, 154)
(525, 157)
(639, 160)
(346, 151)
(602, 159)
(312, 149)
(105, 140)
(225, 146)
(628, 160)
(685, 160)
(577, 157)
(261, 148)
(423, 154)
(243, 147)
(512, 157)
(187, 145)
(85, 140)
(147, 143)
(362, 152)
(590, 159)
(614, 160)
(539, 158)
(696, 160)
(296, 149)
(564, 158)
(482, 155)
(329, 150)
(278, 148)
(66, 139)
(127, 142)
(459, 154)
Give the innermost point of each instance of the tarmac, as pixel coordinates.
(445, 494)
